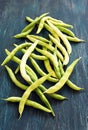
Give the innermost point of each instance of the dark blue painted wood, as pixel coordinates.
(71, 114)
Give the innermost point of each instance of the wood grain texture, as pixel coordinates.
(71, 114)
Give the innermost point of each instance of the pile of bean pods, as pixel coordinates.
(54, 52)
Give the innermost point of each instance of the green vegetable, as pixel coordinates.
(64, 78)
(28, 103)
(28, 92)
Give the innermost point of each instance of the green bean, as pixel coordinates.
(40, 38)
(33, 77)
(41, 24)
(46, 26)
(24, 87)
(51, 48)
(41, 95)
(56, 20)
(49, 68)
(63, 79)
(49, 17)
(51, 31)
(66, 31)
(35, 56)
(48, 65)
(61, 24)
(37, 90)
(23, 34)
(56, 68)
(14, 80)
(69, 83)
(29, 19)
(44, 99)
(40, 71)
(18, 61)
(8, 58)
(53, 20)
(48, 55)
(74, 39)
(38, 57)
(42, 21)
(52, 59)
(53, 95)
(17, 69)
(62, 28)
(24, 60)
(34, 22)
(28, 92)
(60, 34)
(61, 48)
(57, 96)
(28, 103)
(43, 88)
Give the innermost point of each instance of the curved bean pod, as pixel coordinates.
(63, 79)
(24, 87)
(56, 20)
(52, 19)
(67, 31)
(52, 59)
(24, 34)
(14, 79)
(29, 19)
(50, 47)
(38, 57)
(49, 55)
(74, 39)
(34, 22)
(44, 99)
(62, 27)
(40, 71)
(69, 83)
(53, 95)
(33, 77)
(24, 60)
(61, 48)
(41, 24)
(61, 24)
(40, 38)
(17, 69)
(51, 31)
(49, 68)
(43, 88)
(28, 92)
(18, 61)
(60, 34)
(28, 103)
(46, 26)
(56, 68)
(48, 65)
(35, 56)
(8, 58)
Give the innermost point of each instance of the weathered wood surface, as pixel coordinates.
(71, 114)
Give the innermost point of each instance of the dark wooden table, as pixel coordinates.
(71, 114)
